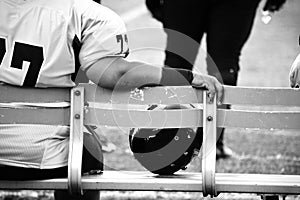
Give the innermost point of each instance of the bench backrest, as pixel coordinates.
(91, 105)
(52, 107)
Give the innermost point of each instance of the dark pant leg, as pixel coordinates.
(228, 28)
(184, 25)
(19, 173)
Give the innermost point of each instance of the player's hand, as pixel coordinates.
(213, 86)
(295, 73)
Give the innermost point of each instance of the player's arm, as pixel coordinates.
(118, 73)
(104, 45)
(295, 72)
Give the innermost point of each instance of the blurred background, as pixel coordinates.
(266, 57)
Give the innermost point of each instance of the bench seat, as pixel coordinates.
(181, 182)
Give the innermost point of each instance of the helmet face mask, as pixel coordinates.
(164, 151)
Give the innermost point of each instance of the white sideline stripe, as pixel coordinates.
(134, 13)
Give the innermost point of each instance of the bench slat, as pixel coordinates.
(184, 95)
(192, 182)
(154, 119)
(144, 118)
(147, 96)
(48, 184)
(51, 116)
(192, 118)
(187, 94)
(22, 94)
(183, 181)
(263, 96)
(259, 119)
(258, 183)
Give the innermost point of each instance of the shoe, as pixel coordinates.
(107, 146)
(224, 152)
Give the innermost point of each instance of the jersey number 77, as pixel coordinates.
(25, 52)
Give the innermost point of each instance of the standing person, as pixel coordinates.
(227, 25)
(43, 44)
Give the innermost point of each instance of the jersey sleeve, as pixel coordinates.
(103, 35)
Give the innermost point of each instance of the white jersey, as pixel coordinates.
(36, 49)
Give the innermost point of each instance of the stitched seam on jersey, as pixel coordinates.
(46, 146)
(45, 149)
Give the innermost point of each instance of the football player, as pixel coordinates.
(43, 44)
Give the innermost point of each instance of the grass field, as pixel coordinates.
(265, 61)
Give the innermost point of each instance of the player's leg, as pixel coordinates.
(19, 173)
(88, 195)
(228, 28)
(184, 25)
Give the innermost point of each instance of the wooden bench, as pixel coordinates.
(91, 105)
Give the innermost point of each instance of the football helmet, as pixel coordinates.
(165, 151)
